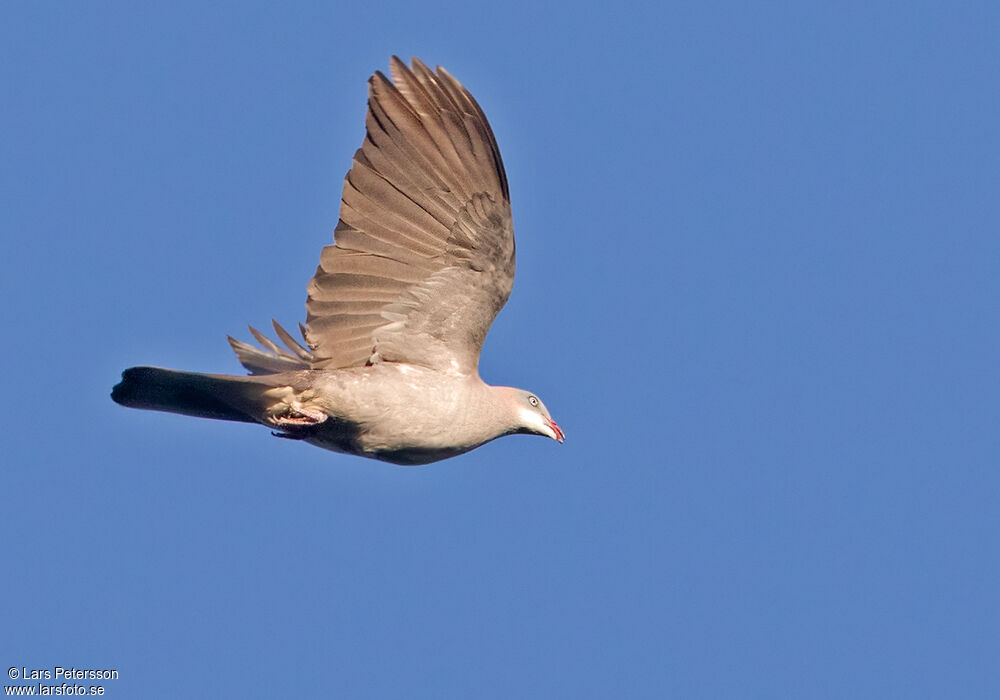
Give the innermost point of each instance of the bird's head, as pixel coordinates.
(530, 415)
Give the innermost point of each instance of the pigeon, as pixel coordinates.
(397, 312)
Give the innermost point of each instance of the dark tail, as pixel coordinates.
(188, 393)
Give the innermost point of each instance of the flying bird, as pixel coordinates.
(399, 307)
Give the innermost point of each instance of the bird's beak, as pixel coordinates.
(557, 433)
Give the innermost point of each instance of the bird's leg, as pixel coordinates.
(291, 410)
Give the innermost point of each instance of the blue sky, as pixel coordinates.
(757, 285)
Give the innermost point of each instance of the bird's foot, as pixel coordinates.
(298, 417)
(292, 410)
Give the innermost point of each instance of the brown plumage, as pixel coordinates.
(399, 307)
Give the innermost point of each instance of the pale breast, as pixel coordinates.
(401, 413)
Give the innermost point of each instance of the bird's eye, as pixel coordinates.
(532, 400)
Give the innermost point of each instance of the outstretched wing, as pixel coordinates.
(423, 255)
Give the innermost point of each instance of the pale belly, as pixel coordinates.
(399, 415)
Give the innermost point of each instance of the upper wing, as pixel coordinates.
(423, 257)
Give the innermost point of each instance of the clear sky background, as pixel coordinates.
(758, 256)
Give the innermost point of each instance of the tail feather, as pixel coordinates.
(187, 393)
